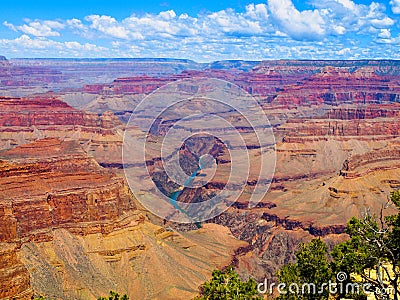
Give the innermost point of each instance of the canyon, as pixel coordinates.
(72, 229)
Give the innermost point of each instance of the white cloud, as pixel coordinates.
(395, 4)
(385, 34)
(10, 26)
(280, 34)
(258, 11)
(108, 26)
(339, 29)
(165, 25)
(41, 28)
(75, 23)
(307, 24)
(277, 18)
(167, 15)
(346, 14)
(276, 29)
(382, 23)
(254, 21)
(29, 45)
(348, 4)
(203, 48)
(344, 51)
(387, 37)
(230, 22)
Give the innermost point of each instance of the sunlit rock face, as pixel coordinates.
(336, 126)
(68, 225)
(69, 220)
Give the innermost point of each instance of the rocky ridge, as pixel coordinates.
(24, 120)
(69, 223)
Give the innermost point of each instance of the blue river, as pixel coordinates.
(174, 196)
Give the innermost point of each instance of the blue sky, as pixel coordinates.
(201, 30)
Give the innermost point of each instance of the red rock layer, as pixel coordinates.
(288, 83)
(46, 185)
(335, 86)
(385, 159)
(132, 85)
(24, 120)
(51, 184)
(51, 112)
(15, 281)
(299, 130)
(254, 83)
(364, 112)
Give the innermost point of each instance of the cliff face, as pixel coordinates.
(132, 85)
(69, 224)
(283, 85)
(336, 86)
(24, 120)
(312, 129)
(362, 164)
(46, 185)
(65, 188)
(371, 111)
(15, 280)
(46, 111)
(142, 259)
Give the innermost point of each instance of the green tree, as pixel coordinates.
(114, 296)
(227, 285)
(304, 278)
(369, 260)
(373, 251)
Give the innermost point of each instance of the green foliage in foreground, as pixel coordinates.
(114, 296)
(312, 266)
(370, 258)
(227, 285)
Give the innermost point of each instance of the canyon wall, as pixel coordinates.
(25, 120)
(72, 230)
(69, 223)
(46, 185)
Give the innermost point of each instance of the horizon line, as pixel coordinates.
(198, 62)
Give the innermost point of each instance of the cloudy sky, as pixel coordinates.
(201, 30)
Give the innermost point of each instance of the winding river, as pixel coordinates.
(174, 195)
